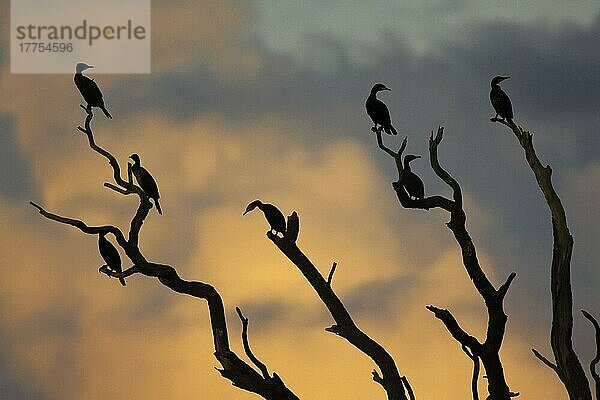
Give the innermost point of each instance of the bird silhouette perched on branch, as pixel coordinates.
(274, 217)
(110, 255)
(89, 89)
(145, 180)
(500, 100)
(411, 182)
(378, 111)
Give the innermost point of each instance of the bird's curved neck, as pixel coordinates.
(373, 94)
(407, 165)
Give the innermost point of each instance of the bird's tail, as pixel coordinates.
(122, 280)
(105, 111)
(158, 206)
(390, 130)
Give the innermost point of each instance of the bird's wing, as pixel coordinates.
(380, 113)
(148, 183)
(89, 90)
(501, 102)
(110, 254)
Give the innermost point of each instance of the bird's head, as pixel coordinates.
(409, 157)
(378, 87)
(135, 158)
(252, 206)
(80, 67)
(498, 79)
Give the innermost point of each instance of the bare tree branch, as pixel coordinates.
(504, 288)
(475, 379)
(488, 351)
(434, 142)
(454, 328)
(331, 272)
(128, 186)
(82, 226)
(409, 389)
(596, 359)
(345, 327)
(543, 359)
(568, 367)
(262, 367)
(233, 368)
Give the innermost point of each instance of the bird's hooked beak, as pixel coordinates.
(504, 78)
(386, 88)
(417, 156)
(246, 212)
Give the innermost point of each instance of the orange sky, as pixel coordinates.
(68, 332)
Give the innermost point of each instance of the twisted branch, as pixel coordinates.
(233, 368)
(488, 351)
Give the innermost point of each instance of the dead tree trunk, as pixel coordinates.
(567, 366)
(488, 351)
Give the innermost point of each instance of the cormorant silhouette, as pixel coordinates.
(411, 182)
(145, 180)
(274, 217)
(110, 255)
(500, 100)
(378, 111)
(89, 89)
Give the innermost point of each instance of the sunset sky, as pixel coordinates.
(265, 99)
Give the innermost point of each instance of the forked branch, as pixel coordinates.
(233, 368)
(488, 351)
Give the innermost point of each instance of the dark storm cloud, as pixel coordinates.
(15, 178)
(558, 69)
(555, 75)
